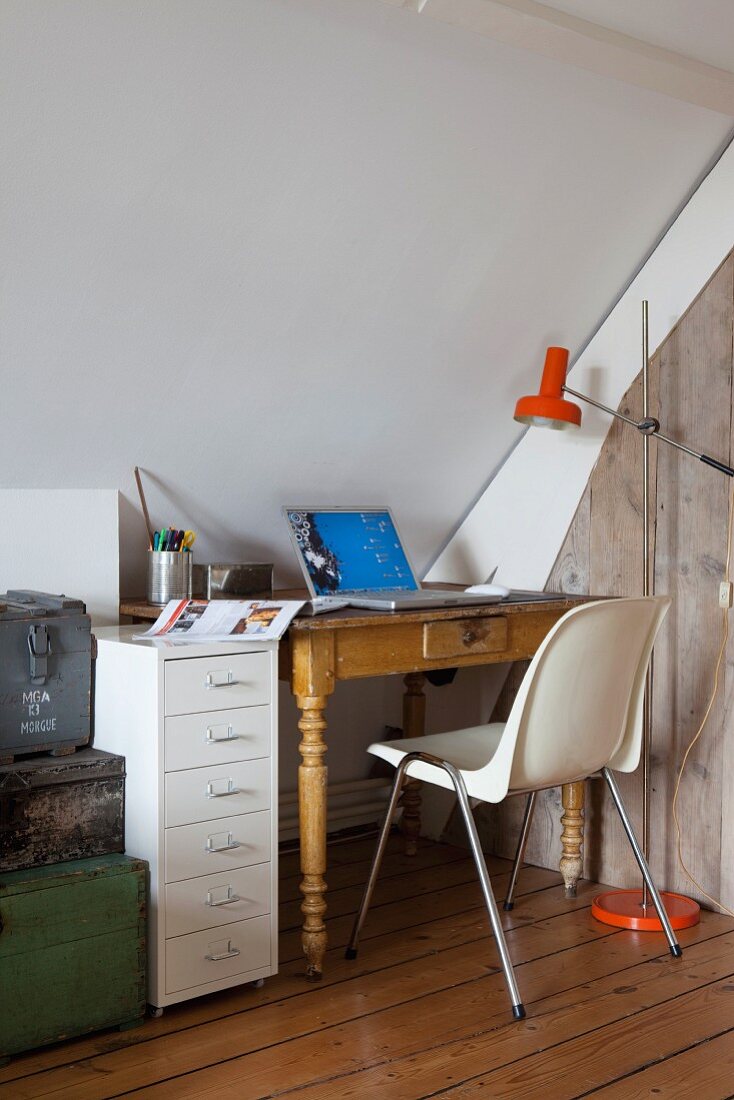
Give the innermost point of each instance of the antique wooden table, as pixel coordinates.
(351, 644)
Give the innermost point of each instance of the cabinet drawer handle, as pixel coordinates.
(231, 843)
(230, 953)
(230, 898)
(231, 789)
(210, 739)
(211, 680)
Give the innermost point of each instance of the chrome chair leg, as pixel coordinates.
(675, 948)
(518, 1009)
(520, 853)
(351, 951)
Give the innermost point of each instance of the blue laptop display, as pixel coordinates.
(351, 551)
(356, 556)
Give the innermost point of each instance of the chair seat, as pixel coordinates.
(467, 749)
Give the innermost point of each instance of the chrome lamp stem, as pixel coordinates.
(650, 426)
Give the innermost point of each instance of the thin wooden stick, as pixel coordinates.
(145, 508)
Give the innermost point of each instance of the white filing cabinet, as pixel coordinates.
(197, 727)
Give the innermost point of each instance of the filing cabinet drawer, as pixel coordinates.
(205, 793)
(217, 683)
(214, 900)
(220, 845)
(217, 953)
(216, 737)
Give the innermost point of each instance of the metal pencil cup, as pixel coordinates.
(169, 575)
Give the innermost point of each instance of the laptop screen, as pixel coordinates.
(346, 551)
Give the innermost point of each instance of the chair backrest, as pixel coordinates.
(579, 707)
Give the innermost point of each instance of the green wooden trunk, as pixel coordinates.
(72, 950)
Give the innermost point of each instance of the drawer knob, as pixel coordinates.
(220, 679)
(230, 844)
(230, 735)
(468, 637)
(228, 900)
(231, 789)
(230, 953)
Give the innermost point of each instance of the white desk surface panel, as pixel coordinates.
(200, 802)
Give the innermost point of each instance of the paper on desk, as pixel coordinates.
(184, 621)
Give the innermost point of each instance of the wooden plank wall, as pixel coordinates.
(691, 393)
(695, 366)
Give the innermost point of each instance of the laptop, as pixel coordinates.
(356, 555)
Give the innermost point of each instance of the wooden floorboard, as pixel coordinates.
(423, 1011)
(704, 1069)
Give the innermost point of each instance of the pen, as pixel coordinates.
(170, 538)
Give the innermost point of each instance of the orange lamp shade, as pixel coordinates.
(548, 409)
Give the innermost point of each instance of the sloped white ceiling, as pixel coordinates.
(303, 251)
(701, 29)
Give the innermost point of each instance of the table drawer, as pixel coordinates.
(217, 683)
(217, 737)
(462, 637)
(217, 953)
(219, 845)
(205, 793)
(212, 900)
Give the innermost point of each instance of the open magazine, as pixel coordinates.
(223, 620)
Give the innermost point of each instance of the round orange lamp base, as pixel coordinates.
(623, 909)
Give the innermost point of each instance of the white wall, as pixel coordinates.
(301, 250)
(283, 250)
(538, 489)
(62, 541)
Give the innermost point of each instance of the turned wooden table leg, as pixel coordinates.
(312, 775)
(572, 836)
(414, 723)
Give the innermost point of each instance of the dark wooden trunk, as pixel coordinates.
(53, 810)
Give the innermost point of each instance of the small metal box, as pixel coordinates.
(233, 582)
(45, 674)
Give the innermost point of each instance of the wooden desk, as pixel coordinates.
(351, 644)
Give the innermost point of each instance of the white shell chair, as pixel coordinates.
(578, 713)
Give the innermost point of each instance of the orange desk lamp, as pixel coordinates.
(549, 409)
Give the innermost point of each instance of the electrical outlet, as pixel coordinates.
(726, 594)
